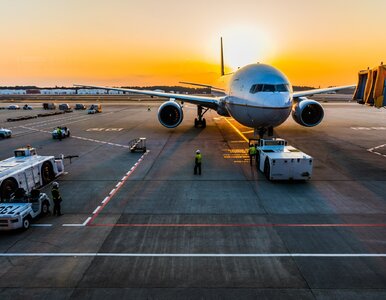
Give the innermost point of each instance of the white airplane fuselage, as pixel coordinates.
(258, 96)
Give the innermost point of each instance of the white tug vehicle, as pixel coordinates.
(21, 174)
(279, 161)
(27, 170)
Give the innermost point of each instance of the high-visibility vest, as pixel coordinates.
(252, 150)
(199, 158)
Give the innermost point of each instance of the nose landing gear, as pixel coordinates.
(261, 131)
(200, 121)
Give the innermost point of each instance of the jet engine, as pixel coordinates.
(307, 112)
(170, 114)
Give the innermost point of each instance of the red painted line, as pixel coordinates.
(239, 225)
(110, 196)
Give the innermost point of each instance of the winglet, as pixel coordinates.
(222, 59)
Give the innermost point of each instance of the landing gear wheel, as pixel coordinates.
(195, 123)
(47, 172)
(267, 169)
(8, 187)
(203, 123)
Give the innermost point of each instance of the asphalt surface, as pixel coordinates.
(143, 226)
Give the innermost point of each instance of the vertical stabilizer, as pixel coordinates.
(222, 60)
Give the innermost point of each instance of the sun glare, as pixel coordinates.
(245, 45)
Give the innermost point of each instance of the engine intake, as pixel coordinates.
(307, 113)
(170, 114)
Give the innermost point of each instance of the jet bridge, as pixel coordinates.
(371, 87)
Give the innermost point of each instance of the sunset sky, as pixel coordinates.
(148, 42)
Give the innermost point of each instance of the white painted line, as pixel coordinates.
(118, 184)
(73, 225)
(95, 211)
(86, 222)
(41, 225)
(237, 255)
(104, 200)
(128, 173)
(112, 191)
(132, 168)
(123, 178)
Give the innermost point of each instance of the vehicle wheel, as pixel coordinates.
(195, 123)
(267, 169)
(45, 208)
(26, 222)
(203, 123)
(2, 135)
(144, 149)
(68, 134)
(47, 172)
(8, 187)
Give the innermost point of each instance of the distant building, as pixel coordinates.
(12, 92)
(58, 91)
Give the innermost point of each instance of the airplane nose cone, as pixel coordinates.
(277, 100)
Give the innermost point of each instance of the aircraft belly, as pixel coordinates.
(257, 117)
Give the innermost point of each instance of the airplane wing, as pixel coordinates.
(210, 102)
(321, 91)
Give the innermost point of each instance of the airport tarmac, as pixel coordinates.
(143, 226)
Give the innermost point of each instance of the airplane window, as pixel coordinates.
(256, 88)
(268, 88)
(282, 88)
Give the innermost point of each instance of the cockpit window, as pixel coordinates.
(269, 88)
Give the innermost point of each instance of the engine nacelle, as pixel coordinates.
(170, 114)
(307, 113)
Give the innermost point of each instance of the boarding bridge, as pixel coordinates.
(371, 87)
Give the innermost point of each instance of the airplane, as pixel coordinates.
(257, 96)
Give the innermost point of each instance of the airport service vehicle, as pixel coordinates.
(95, 108)
(257, 95)
(20, 211)
(279, 161)
(47, 106)
(27, 107)
(65, 132)
(64, 106)
(13, 107)
(5, 133)
(80, 106)
(27, 170)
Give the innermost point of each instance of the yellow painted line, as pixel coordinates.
(238, 131)
(249, 131)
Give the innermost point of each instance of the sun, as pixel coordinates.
(245, 45)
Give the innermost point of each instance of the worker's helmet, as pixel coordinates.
(198, 151)
(55, 184)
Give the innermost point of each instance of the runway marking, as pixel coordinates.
(96, 210)
(230, 255)
(238, 131)
(81, 138)
(369, 128)
(78, 225)
(107, 199)
(372, 150)
(239, 225)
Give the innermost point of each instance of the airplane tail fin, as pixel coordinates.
(222, 59)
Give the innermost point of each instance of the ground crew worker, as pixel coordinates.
(59, 133)
(56, 198)
(252, 153)
(197, 162)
